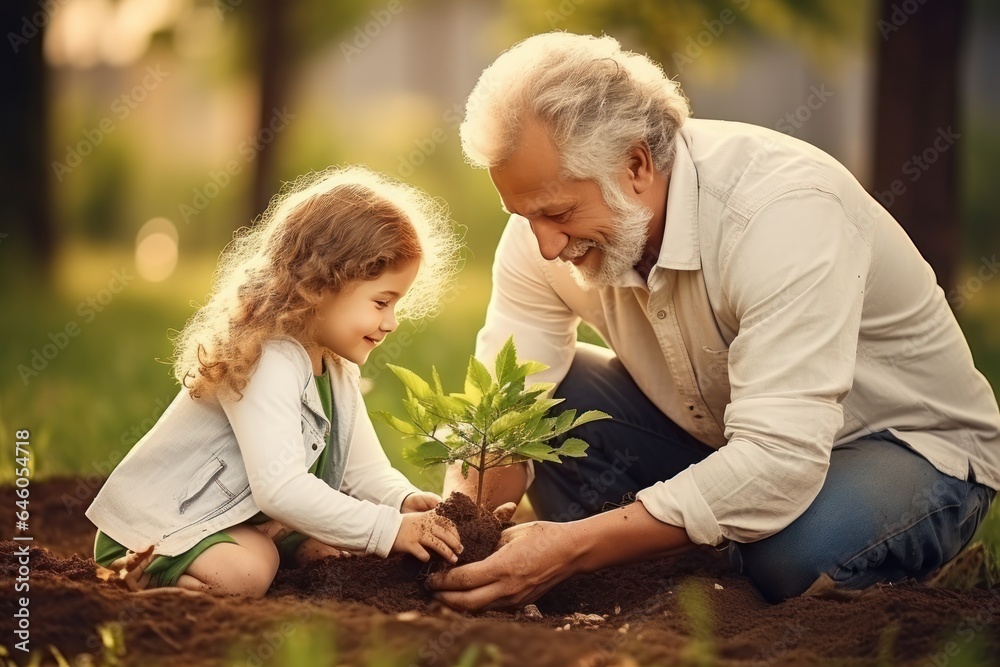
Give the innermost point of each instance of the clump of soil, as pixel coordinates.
(478, 528)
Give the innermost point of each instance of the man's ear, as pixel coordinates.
(641, 171)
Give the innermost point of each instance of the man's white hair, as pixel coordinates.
(597, 101)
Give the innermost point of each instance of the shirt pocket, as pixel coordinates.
(313, 432)
(206, 486)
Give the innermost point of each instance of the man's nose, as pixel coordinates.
(551, 241)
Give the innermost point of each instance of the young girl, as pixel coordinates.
(267, 454)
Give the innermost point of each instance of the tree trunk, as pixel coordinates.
(273, 50)
(24, 166)
(917, 125)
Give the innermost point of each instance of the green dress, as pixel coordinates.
(166, 570)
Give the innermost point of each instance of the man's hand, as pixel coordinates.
(421, 531)
(531, 559)
(420, 502)
(534, 557)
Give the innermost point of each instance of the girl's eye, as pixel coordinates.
(382, 304)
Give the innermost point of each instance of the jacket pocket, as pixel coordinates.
(207, 477)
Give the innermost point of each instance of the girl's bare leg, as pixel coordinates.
(312, 549)
(246, 568)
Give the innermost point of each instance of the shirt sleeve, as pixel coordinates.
(267, 424)
(795, 278)
(524, 304)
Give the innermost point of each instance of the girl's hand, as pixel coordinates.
(420, 502)
(131, 568)
(427, 530)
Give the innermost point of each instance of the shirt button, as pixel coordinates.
(661, 314)
(315, 446)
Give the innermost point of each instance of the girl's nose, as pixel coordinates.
(389, 323)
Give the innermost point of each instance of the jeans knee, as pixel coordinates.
(778, 574)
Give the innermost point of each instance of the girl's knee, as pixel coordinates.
(246, 568)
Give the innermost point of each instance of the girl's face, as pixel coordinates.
(353, 321)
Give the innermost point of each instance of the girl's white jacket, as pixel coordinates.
(209, 464)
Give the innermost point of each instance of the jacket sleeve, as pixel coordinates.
(368, 474)
(267, 425)
(796, 279)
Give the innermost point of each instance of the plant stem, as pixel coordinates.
(482, 472)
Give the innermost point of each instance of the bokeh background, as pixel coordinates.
(138, 135)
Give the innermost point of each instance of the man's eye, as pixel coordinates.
(561, 217)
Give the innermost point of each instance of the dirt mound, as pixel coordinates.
(684, 609)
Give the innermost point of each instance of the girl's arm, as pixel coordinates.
(267, 425)
(369, 475)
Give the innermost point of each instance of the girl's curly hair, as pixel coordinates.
(321, 233)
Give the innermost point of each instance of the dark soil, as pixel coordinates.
(377, 612)
(478, 528)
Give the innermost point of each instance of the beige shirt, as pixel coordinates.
(788, 313)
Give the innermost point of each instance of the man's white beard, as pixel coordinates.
(619, 254)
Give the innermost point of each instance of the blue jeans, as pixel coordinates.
(884, 512)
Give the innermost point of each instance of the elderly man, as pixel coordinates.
(787, 380)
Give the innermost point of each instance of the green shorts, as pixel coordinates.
(166, 570)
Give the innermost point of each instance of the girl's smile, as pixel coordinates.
(355, 320)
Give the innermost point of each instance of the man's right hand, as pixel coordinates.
(421, 531)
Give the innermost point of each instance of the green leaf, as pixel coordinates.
(590, 416)
(541, 386)
(506, 362)
(411, 381)
(538, 452)
(427, 453)
(572, 447)
(477, 379)
(564, 422)
(530, 368)
(465, 469)
(396, 423)
(545, 404)
(437, 381)
(508, 421)
(451, 409)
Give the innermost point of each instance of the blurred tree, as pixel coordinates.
(24, 174)
(285, 33)
(917, 125)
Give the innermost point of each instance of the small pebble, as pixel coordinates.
(718, 587)
(566, 627)
(408, 616)
(623, 629)
(531, 611)
(618, 610)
